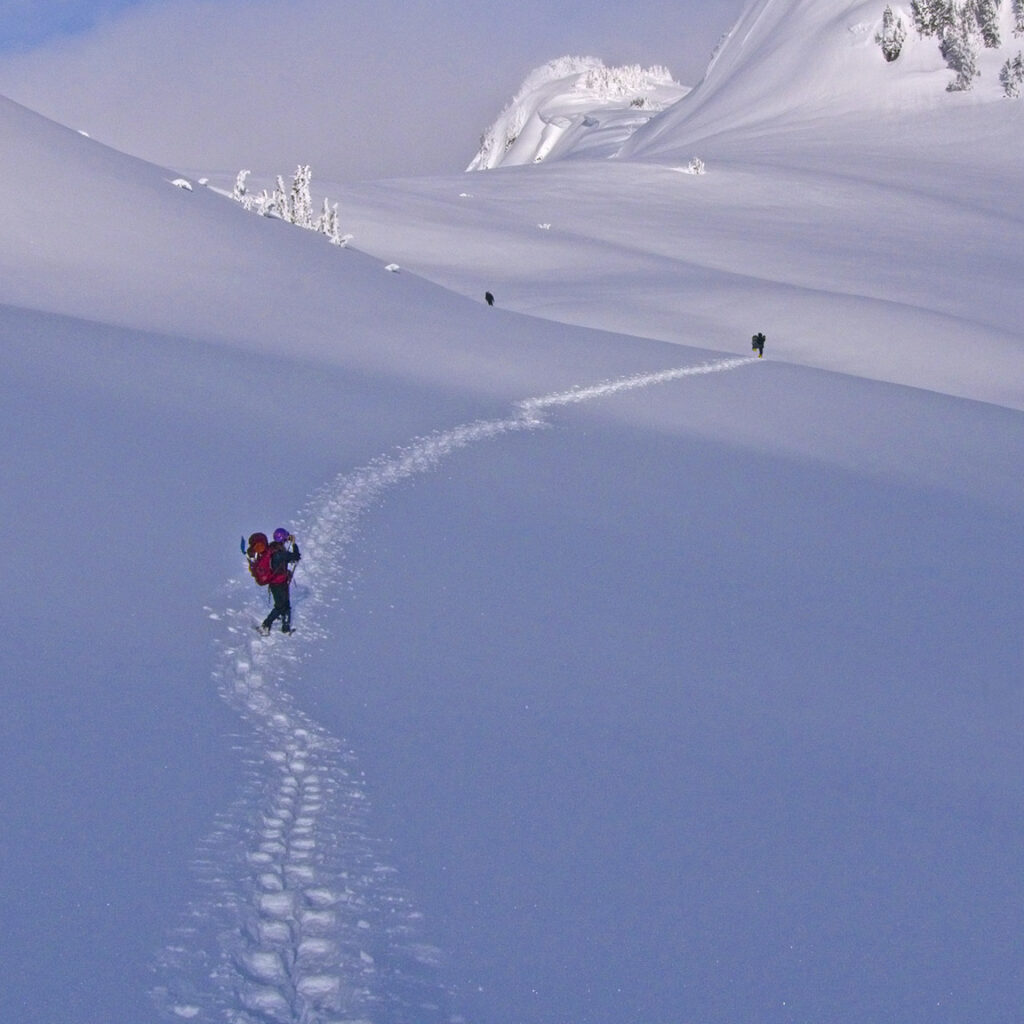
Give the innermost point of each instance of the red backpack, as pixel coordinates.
(260, 554)
(261, 570)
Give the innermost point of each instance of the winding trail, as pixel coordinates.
(301, 920)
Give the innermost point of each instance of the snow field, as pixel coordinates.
(702, 709)
(293, 946)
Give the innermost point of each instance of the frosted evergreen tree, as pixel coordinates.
(281, 201)
(327, 222)
(241, 190)
(300, 202)
(920, 15)
(930, 17)
(959, 49)
(986, 13)
(891, 36)
(1018, 17)
(324, 219)
(1011, 75)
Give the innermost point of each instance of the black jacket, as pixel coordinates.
(282, 557)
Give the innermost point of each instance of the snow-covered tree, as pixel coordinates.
(300, 201)
(327, 223)
(930, 16)
(1011, 75)
(277, 202)
(986, 14)
(891, 36)
(1018, 17)
(241, 190)
(960, 50)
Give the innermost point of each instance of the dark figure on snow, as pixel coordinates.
(489, 298)
(757, 344)
(269, 564)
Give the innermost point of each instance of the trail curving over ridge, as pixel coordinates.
(301, 919)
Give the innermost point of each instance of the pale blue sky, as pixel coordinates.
(358, 88)
(25, 24)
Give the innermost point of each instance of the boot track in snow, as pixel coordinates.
(301, 920)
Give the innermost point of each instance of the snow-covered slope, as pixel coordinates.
(804, 63)
(574, 105)
(863, 216)
(634, 680)
(275, 289)
(851, 254)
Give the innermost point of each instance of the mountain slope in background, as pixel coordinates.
(862, 216)
(785, 66)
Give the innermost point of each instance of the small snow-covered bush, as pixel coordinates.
(891, 36)
(1011, 75)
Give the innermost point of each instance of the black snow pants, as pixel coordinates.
(282, 608)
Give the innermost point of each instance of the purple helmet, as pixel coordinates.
(281, 535)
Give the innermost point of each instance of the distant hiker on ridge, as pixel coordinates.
(268, 564)
(757, 344)
(490, 298)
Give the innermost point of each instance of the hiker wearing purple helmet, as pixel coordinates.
(283, 552)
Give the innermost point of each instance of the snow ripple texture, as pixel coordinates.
(301, 920)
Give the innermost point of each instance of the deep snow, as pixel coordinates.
(694, 696)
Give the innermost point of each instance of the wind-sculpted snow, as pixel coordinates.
(302, 920)
(573, 104)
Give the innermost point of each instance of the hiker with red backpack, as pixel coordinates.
(269, 563)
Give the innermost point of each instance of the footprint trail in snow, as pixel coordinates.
(301, 920)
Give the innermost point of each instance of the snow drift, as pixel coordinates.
(573, 105)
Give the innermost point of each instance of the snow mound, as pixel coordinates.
(573, 104)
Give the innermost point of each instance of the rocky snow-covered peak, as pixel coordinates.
(574, 104)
